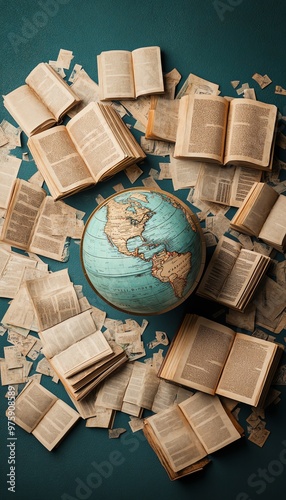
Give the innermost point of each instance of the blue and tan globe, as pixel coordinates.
(143, 251)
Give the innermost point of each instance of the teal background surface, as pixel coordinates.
(216, 40)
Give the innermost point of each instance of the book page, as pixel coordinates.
(138, 108)
(274, 228)
(219, 267)
(201, 127)
(52, 90)
(87, 406)
(49, 283)
(59, 161)
(243, 181)
(22, 213)
(54, 307)
(142, 386)
(165, 396)
(21, 311)
(55, 424)
(246, 368)
(32, 404)
(110, 394)
(9, 168)
(54, 298)
(215, 183)
(163, 119)
(86, 89)
(59, 337)
(12, 267)
(246, 273)
(196, 85)
(28, 110)
(210, 421)
(94, 140)
(176, 438)
(198, 353)
(227, 185)
(115, 74)
(184, 172)
(250, 132)
(43, 241)
(147, 69)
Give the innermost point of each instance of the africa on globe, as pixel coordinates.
(143, 251)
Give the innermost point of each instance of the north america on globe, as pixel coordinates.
(125, 221)
(143, 250)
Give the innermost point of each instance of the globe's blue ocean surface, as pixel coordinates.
(143, 251)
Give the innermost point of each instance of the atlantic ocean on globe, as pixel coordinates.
(143, 251)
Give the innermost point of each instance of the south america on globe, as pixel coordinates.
(143, 251)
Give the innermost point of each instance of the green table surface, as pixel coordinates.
(220, 41)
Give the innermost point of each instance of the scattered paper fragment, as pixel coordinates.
(13, 134)
(99, 199)
(150, 182)
(241, 89)
(3, 138)
(280, 90)
(118, 188)
(249, 94)
(262, 80)
(13, 357)
(115, 433)
(165, 171)
(133, 173)
(64, 58)
(60, 71)
(259, 437)
(235, 83)
(75, 72)
(136, 424)
(161, 338)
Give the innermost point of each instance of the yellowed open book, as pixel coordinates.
(263, 214)
(42, 101)
(41, 413)
(124, 74)
(183, 435)
(226, 131)
(28, 224)
(80, 354)
(93, 146)
(233, 274)
(214, 359)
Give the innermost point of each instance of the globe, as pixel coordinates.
(143, 251)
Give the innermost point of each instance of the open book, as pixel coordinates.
(227, 185)
(80, 354)
(263, 214)
(93, 146)
(214, 359)
(183, 435)
(233, 274)
(126, 75)
(238, 131)
(28, 222)
(40, 412)
(42, 101)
